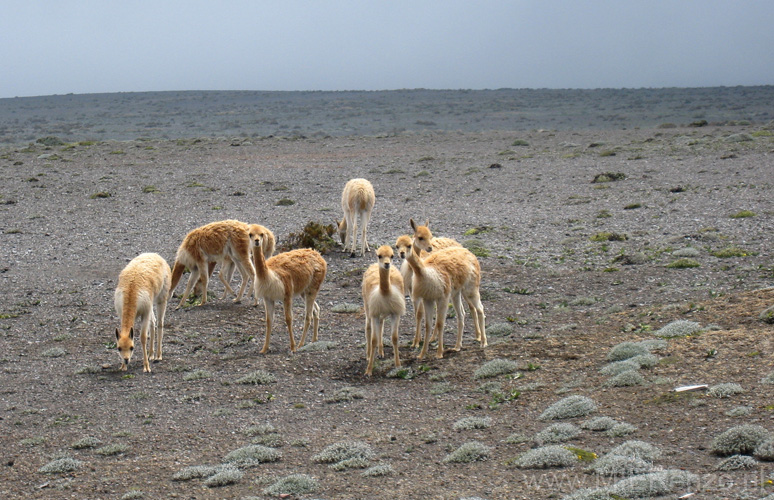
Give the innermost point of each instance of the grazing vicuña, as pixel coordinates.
(145, 281)
(357, 202)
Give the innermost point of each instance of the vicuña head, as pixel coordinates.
(125, 344)
(422, 236)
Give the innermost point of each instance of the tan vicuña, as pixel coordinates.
(357, 202)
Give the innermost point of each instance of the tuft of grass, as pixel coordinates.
(620, 430)
(725, 390)
(626, 379)
(284, 202)
(599, 423)
(293, 485)
(687, 252)
(684, 263)
(405, 373)
(252, 455)
(61, 466)
(608, 236)
(314, 235)
(736, 462)
(569, 407)
(740, 439)
(345, 454)
(520, 143)
(679, 328)
(196, 472)
(378, 471)
(258, 377)
(223, 477)
(730, 252)
(196, 375)
(110, 450)
(87, 442)
(638, 449)
(54, 352)
(767, 316)
(626, 350)
(469, 423)
(499, 329)
(495, 367)
(476, 247)
(632, 206)
(620, 466)
(557, 433)
(743, 214)
(346, 394)
(546, 457)
(100, 194)
(471, 451)
(150, 189)
(608, 177)
(346, 307)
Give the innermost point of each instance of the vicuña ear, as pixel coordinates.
(131, 333)
(427, 223)
(413, 224)
(118, 335)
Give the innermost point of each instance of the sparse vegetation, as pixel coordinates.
(345, 454)
(472, 451)
(495, 367)
(314, 235)
(608, 236)
(569, 407)
(679, 328)
(740, 440)
(61, 465)
(292, 485)
(736, 462)
(251, 455)
(725, 390)
(546, 457)
(743, 214)
(469, 423)
(258, 377)
(557, 433)
(684, 263)
(608, 176)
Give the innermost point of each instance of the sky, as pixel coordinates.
(93, 46)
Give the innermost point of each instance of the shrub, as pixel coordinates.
(768, 379)
(767, 315)
(292, 485)
(346, 394)
(689, 252)
(346, 308)
(469, 423)
(61, 466)
(314, 235)
(725, 390)
(469, 452)
(345, 454)
(637, 449)
(679, 328)
(765, 451)
(626, 379)
(729, 252)
(620, 430)
(742, 214)
(476, 247)
(599, 423)
(741, 439)
(618, 367)
(87, 442)
(739, 411)
(654, 344)
(607, 236)
(495, 367)
(736, 462)
(223, 477)
(258, 377)
(626, 350)
(499, 330)
(252, 455)
(569, 407)
(557, 433)
(654, 484)
(619, 465)
(54, 352)
(196, 472)
(683, 264)
(546, 457)
(608, 177)
(378, 471)
(260, 430)
(589, 494)
(519, 142)
(645, 360)
(112, 449)
(197, 375)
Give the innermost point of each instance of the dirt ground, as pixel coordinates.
(558, 296)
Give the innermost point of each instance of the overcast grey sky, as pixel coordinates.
(63, 46)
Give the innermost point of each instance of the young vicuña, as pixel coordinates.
(213, 243)
(404, 245)
(383, 297)
(453, 273)
(286, 275)
(145, 281)
(357, 202)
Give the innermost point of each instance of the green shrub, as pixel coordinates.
(469, 452)
(741, 439)
(520, 142)
(608, 177)
(476, 247)
(469, 423)
(495, 367)
(742, 214)
(620, 465)
(569, 407)
(223, 477)
(638, 449)
(626, 350)
(293, 485)
(736, 462)
(252, 455)
(258, 377)
(683, 264)
(546, 457)
(679, 328)
(725, 390)
(654, 484)
(730, 252)
(767, 315)
(61, 466)
(557, 433)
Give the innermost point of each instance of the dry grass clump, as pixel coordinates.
(740, 440)
(495, 367)
(626, 350)
(725, 390)
(557, 433)
(112, 449)
(736, 462)
(87, 442)
(546, 457)
(637, 449)
(292, 485)
(252, 455)
(346, 308)
(654, 484)
(61, 466)
(628, 378)
(224, 476)
(345, 454)
(258, 377)
(260, 430)
(197, 375)
(346, 394)
(378, 471)
(472, 451)
(569, 407)
(54, 352)
(619, 465)
(196, 472)
(469, 423)
(599, 423)
(679, 328)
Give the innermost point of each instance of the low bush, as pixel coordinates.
(569, 407)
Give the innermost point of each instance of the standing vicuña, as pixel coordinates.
(284, 276)
(143, 283)
(357, 201)
(383, 297)
(452, 273)
(404, 245)
(213, 243)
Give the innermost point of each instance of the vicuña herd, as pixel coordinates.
(435, 272)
